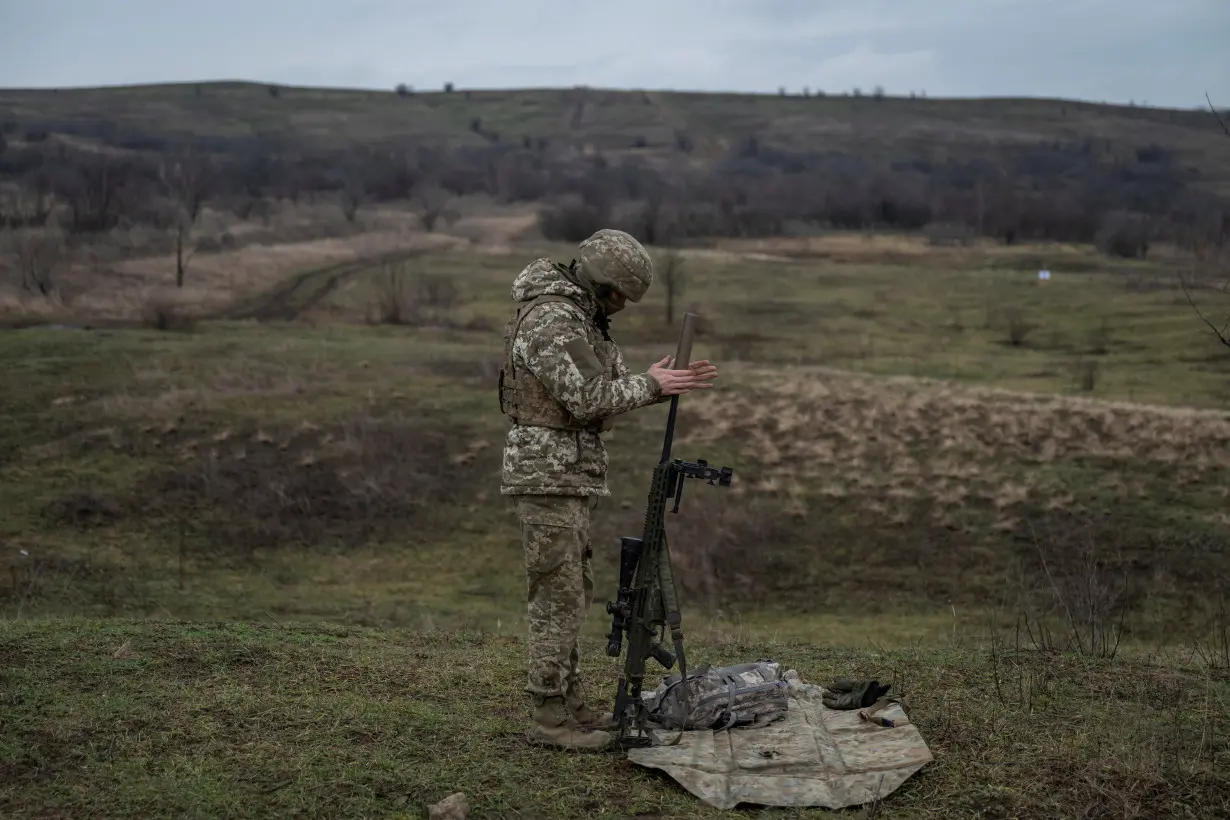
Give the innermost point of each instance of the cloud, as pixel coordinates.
(1166, 53)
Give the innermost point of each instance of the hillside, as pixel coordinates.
(704, 125)
(673, 167)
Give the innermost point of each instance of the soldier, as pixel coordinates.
(563, 382)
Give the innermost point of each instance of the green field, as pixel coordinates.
(274, 719)
(298, 526)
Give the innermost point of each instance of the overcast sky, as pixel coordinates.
(1163, 52)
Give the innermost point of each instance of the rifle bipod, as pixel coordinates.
(647, 602)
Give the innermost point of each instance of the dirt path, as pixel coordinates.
(303, 291)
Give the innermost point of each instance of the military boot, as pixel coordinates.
(555, 726)
(582, 714)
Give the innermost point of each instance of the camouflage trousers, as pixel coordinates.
(559, 587)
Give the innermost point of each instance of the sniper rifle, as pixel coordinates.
(647, 602)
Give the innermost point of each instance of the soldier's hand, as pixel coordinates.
(703, 371)
(675, 382)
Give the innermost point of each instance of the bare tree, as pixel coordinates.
(29, 204)
(93, 187)
(352, 195)
(38, 253)
(186, 178)
(1217, 116)
(1222, 333)
(434, 201)
(672, 281)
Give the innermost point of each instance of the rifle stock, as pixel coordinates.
(647, 601)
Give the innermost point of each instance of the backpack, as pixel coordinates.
(718, 699)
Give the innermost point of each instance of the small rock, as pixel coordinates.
(453, 807)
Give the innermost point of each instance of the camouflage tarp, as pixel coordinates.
(812, 756)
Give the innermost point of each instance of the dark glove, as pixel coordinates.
(854, 694)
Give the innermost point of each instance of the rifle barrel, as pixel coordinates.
(683, 354)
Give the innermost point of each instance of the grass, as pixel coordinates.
(297, 526)
(259, 719)
(892, 306)
(140, 456)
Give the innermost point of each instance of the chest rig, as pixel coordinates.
(524, 399)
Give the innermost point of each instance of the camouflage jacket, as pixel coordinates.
(561, 345)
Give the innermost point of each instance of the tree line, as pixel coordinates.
(1122, 197)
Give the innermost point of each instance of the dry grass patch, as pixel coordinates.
(217, 279)
(877, 440)
(92, 289)
(1101, 519)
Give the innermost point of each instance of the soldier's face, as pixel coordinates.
(612, 300)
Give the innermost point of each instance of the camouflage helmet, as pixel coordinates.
(615, 258)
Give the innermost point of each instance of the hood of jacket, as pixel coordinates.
(542, 277)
